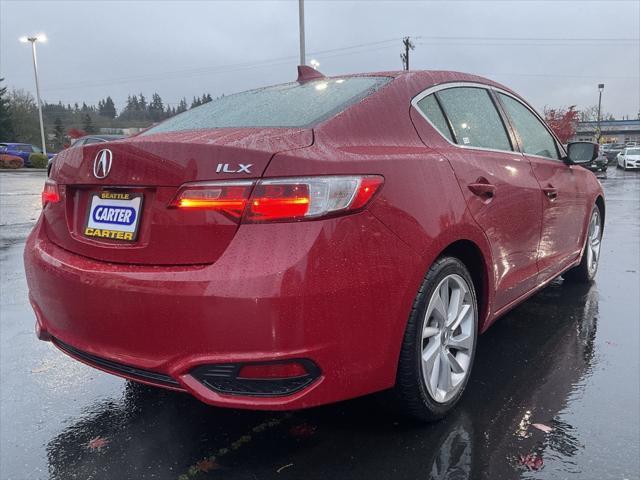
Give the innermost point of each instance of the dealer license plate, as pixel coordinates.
(114, 216)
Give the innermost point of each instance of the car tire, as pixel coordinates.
(585, 272)
(423, 357)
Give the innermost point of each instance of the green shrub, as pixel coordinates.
(38, 160)
(10, 161)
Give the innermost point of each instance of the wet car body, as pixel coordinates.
(86, 140)
(329, 296)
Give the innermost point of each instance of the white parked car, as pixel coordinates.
(629, 158)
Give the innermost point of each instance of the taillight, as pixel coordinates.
(285, 199)
(229, 198)
(50, 193)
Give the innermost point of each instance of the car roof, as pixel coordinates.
(433, 77)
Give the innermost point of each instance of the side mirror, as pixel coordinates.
(582, 152)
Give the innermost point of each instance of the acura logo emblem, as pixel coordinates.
(102, 163)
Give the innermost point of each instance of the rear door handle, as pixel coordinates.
(551, 192)
(481, 189)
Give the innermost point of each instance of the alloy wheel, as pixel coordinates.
(593, 241)
(448, 338)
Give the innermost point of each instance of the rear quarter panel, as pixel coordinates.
(420, 201)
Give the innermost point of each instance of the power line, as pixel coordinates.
(349, 50)
(213, 69)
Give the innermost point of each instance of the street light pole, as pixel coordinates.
(600, 89)
(33, 41)
(303, 59)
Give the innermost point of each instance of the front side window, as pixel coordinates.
(474, 118)
(534, 137)
(289, 105)
(430, 108)
(36, 149)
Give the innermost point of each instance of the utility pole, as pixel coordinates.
(600, 89)
(408, 45)
(303, 59)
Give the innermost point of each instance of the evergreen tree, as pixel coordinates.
(182, 106)
(58, 131)
(143, 107)
(87, 124)
(156, 108)
(109, 108)
(6, 127)
(196, 102)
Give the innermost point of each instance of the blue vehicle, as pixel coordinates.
(22, 150)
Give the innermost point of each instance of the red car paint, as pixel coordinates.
(198, 289)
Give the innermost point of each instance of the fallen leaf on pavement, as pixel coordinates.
(97, 443)
(304, 430)
(532, 461)
(206, 465)
(543, 427)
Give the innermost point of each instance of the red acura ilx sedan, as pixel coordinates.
(311, 242)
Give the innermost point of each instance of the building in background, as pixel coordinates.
(613, 131)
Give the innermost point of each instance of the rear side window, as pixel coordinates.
(474, 118)
(288, 105)
(534, 137)
(430, 108)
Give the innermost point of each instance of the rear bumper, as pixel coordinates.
(282, 291)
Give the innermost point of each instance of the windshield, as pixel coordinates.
(288, 105)
(633, 151)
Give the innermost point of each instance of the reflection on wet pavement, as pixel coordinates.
(554, 394)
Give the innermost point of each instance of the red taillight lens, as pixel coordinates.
(273, 370)
(50, 193)
(284, 199)
(277, 202)
(229, 198)
(367, 189)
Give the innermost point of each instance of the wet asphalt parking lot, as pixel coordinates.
(567, 360)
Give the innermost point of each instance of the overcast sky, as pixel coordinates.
(552, 52)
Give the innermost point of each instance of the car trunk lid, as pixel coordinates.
(144, 176)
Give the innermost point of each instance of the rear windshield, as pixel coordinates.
(288, 105)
